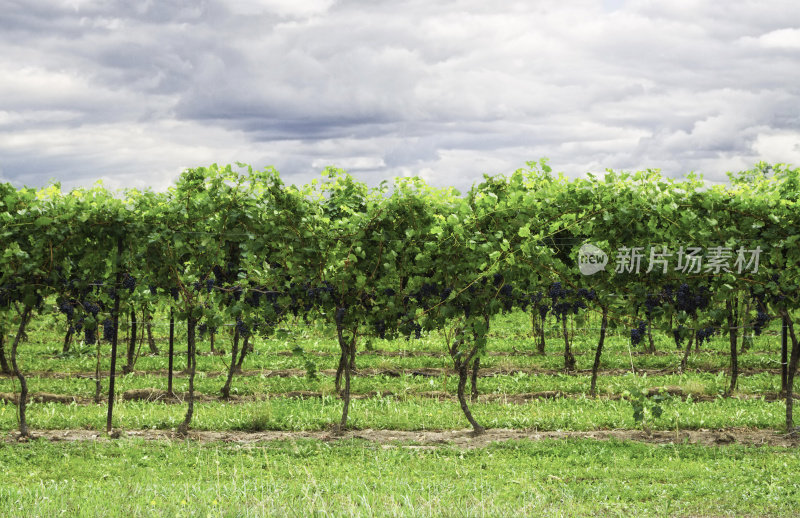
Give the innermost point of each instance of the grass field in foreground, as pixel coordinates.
(355, 478)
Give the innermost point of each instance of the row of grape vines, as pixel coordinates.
(235, 246)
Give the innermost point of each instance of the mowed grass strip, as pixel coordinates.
(404, 413)
(695, 383)
(355, 478)
(713, 357)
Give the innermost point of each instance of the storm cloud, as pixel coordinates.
(135, 92)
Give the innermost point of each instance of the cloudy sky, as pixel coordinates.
(134, 92)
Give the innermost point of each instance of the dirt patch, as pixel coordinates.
(42, 397)
(457, 438)
(158, 395)
(155, 395)
(162, 396)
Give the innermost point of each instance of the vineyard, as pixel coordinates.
(528, 321)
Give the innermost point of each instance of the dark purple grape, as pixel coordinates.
(638, 333)
(129, 282)
(91, 308)
(497, 279)
(108, 329)
(89, 336)
(67, 308)
(762, 319)
(241, 328)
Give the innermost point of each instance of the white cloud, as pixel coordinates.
(352, 163)
(778, 39)
(778, 147)
(449, 90)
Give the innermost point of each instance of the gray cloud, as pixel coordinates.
(134, 92)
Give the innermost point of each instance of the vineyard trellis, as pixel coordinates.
(236, 247)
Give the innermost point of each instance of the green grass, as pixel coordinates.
(697, 383)
(403, 413)
(572, 477)
(407, 408)
(352, 478)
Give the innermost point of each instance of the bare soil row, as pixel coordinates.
(430, 439)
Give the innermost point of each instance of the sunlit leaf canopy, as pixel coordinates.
(234, 243)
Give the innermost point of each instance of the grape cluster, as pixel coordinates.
(426, 291)
(637, 333)
(556, 291)
(651, 302)
(528, 299)
(560, 307)
(567, 301)
(543, 310)
(408, 326)
(677, 335)
(219, 274)
(497, 279)
(253, 298)
(129, 282)
(317, 294)
(67, 308)
(236, 293)
(704, 334)
(762, 319)
(108, 329)
(689, 300)
(242, 328)
(91, 308)
(507, 297)
(537, 300)
(89, 335)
